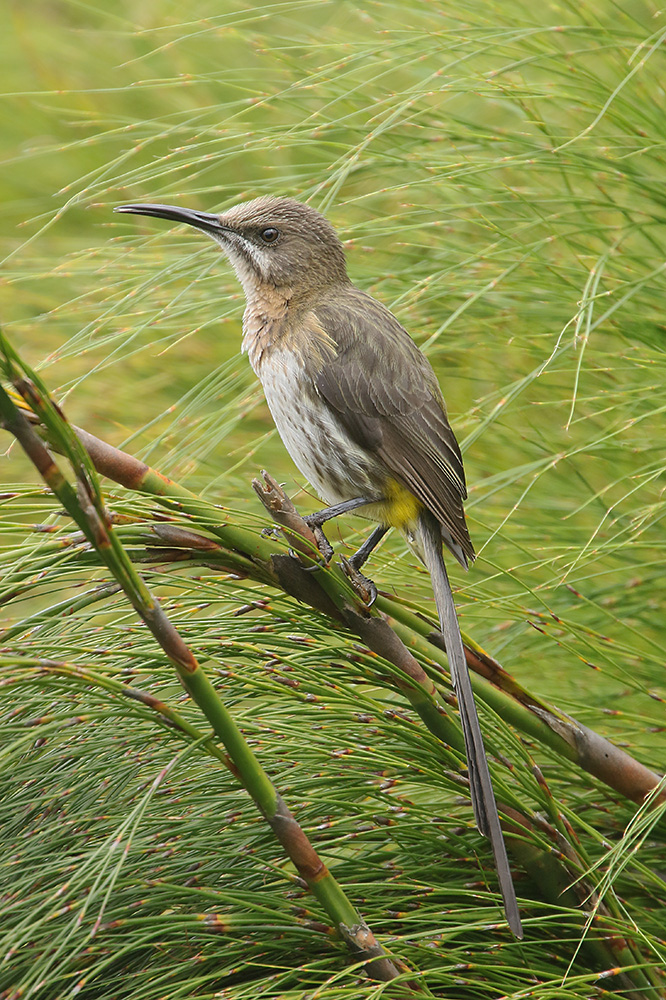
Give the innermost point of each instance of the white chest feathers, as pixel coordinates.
(312, 432)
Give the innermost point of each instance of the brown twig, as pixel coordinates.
(543, 721)
(268, 562)
(84, 505)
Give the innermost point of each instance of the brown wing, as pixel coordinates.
(385, 392)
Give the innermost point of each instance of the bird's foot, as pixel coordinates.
(315, 520)
(322, 541)
(364, 587)
(323, 544)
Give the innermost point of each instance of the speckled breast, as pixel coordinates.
(314, 436)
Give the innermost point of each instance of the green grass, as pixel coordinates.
(497, 171)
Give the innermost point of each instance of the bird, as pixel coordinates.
(360, 410)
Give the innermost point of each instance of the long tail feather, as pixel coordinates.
(483, 797)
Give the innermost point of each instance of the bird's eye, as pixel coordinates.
(269, 235)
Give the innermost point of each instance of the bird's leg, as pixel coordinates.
(321, 516)
(352, 565)
(371, 542)
(316, 520)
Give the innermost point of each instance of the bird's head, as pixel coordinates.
(269, 241)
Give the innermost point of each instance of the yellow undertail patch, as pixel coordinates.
(401, 508)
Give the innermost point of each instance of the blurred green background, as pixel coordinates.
(497, 174)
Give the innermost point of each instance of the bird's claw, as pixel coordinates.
(323, 544)
(365, 587)
(319, 564)
(313, 520)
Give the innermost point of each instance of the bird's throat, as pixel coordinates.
(264, 322)
(286, 329)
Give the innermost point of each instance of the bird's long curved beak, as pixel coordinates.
(205, 221)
